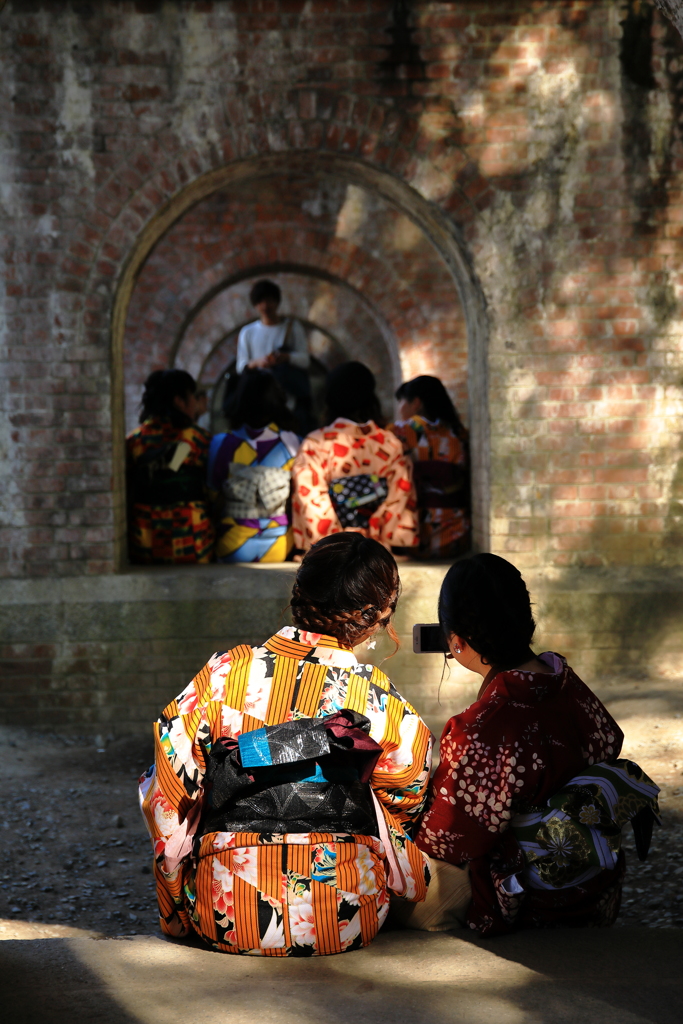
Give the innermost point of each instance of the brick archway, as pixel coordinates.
(435, 224)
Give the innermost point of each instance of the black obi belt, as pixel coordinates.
(308, 775)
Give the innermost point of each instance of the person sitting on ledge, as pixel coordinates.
(529, 799)
(278, 344)
(251, 464)
(436, 442)
(167, 454)
(288, 776)
(352, 474)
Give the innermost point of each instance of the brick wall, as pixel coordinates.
(537, 145)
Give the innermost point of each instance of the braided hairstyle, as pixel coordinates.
(342, 587)
(485, 601)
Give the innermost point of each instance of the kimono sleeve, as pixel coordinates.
(401, 777)
(313, 515)
(400, 525)
(399, 784)
(171, 798)
(473, 789)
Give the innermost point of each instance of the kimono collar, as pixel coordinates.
(294, 642)
(530, 687)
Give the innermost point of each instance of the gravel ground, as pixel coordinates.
(73, 847)
(75, 853)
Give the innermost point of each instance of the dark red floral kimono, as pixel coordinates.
(508, 753)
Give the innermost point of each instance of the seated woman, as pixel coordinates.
(251, 465)
(352, 474)
(168, 517)
(289, 776)
(529, 799)
(435, 440)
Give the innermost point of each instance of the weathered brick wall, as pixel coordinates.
(536, 144)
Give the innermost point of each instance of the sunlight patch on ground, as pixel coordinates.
(10, 929)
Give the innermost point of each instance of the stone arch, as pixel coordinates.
(432, 220)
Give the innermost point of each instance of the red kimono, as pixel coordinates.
(507, 753)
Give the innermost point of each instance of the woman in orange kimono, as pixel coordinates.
(436, 442)
(266, 839)
(352, 474)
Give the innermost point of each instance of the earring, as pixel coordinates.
(457, 650)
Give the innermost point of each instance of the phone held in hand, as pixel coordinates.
(428, 639)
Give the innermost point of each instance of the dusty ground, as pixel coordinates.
(73, 847)
(74, 853)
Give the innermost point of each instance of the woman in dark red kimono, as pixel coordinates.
(534, 727)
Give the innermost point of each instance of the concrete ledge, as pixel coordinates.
(86, 653)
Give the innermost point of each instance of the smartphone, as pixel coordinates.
(428, 639)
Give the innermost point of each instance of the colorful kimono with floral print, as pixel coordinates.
(443, 531)
(352, 449)
(169, 516)
(299, 894)
(507, 755)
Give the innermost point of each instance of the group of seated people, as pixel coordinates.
(290, 805)
(260, 492)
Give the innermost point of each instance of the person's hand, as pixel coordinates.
(275, 358)
(259, 364)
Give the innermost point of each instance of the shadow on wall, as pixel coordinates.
(609, 623)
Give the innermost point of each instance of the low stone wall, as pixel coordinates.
(104, 654)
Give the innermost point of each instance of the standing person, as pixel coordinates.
(352, 474)
(436, 442)
(166, 471)
(251, 465)
(288, 776)
(278, 344)
(529, 799)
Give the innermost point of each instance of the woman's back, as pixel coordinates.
(287, 893)
(167, 491)
(342, 450)
(523, 740)
(251, 465)
(440, 465)
(252, 468)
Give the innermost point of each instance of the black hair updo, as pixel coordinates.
(485, 601)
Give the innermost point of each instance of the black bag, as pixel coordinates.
(357, 498)
(309, 775)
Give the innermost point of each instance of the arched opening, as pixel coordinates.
(355, 247)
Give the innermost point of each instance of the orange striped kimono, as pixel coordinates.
(299, 894)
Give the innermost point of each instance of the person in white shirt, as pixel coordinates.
(278, 344)
(272, 339)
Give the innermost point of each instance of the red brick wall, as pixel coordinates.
(530, 131)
